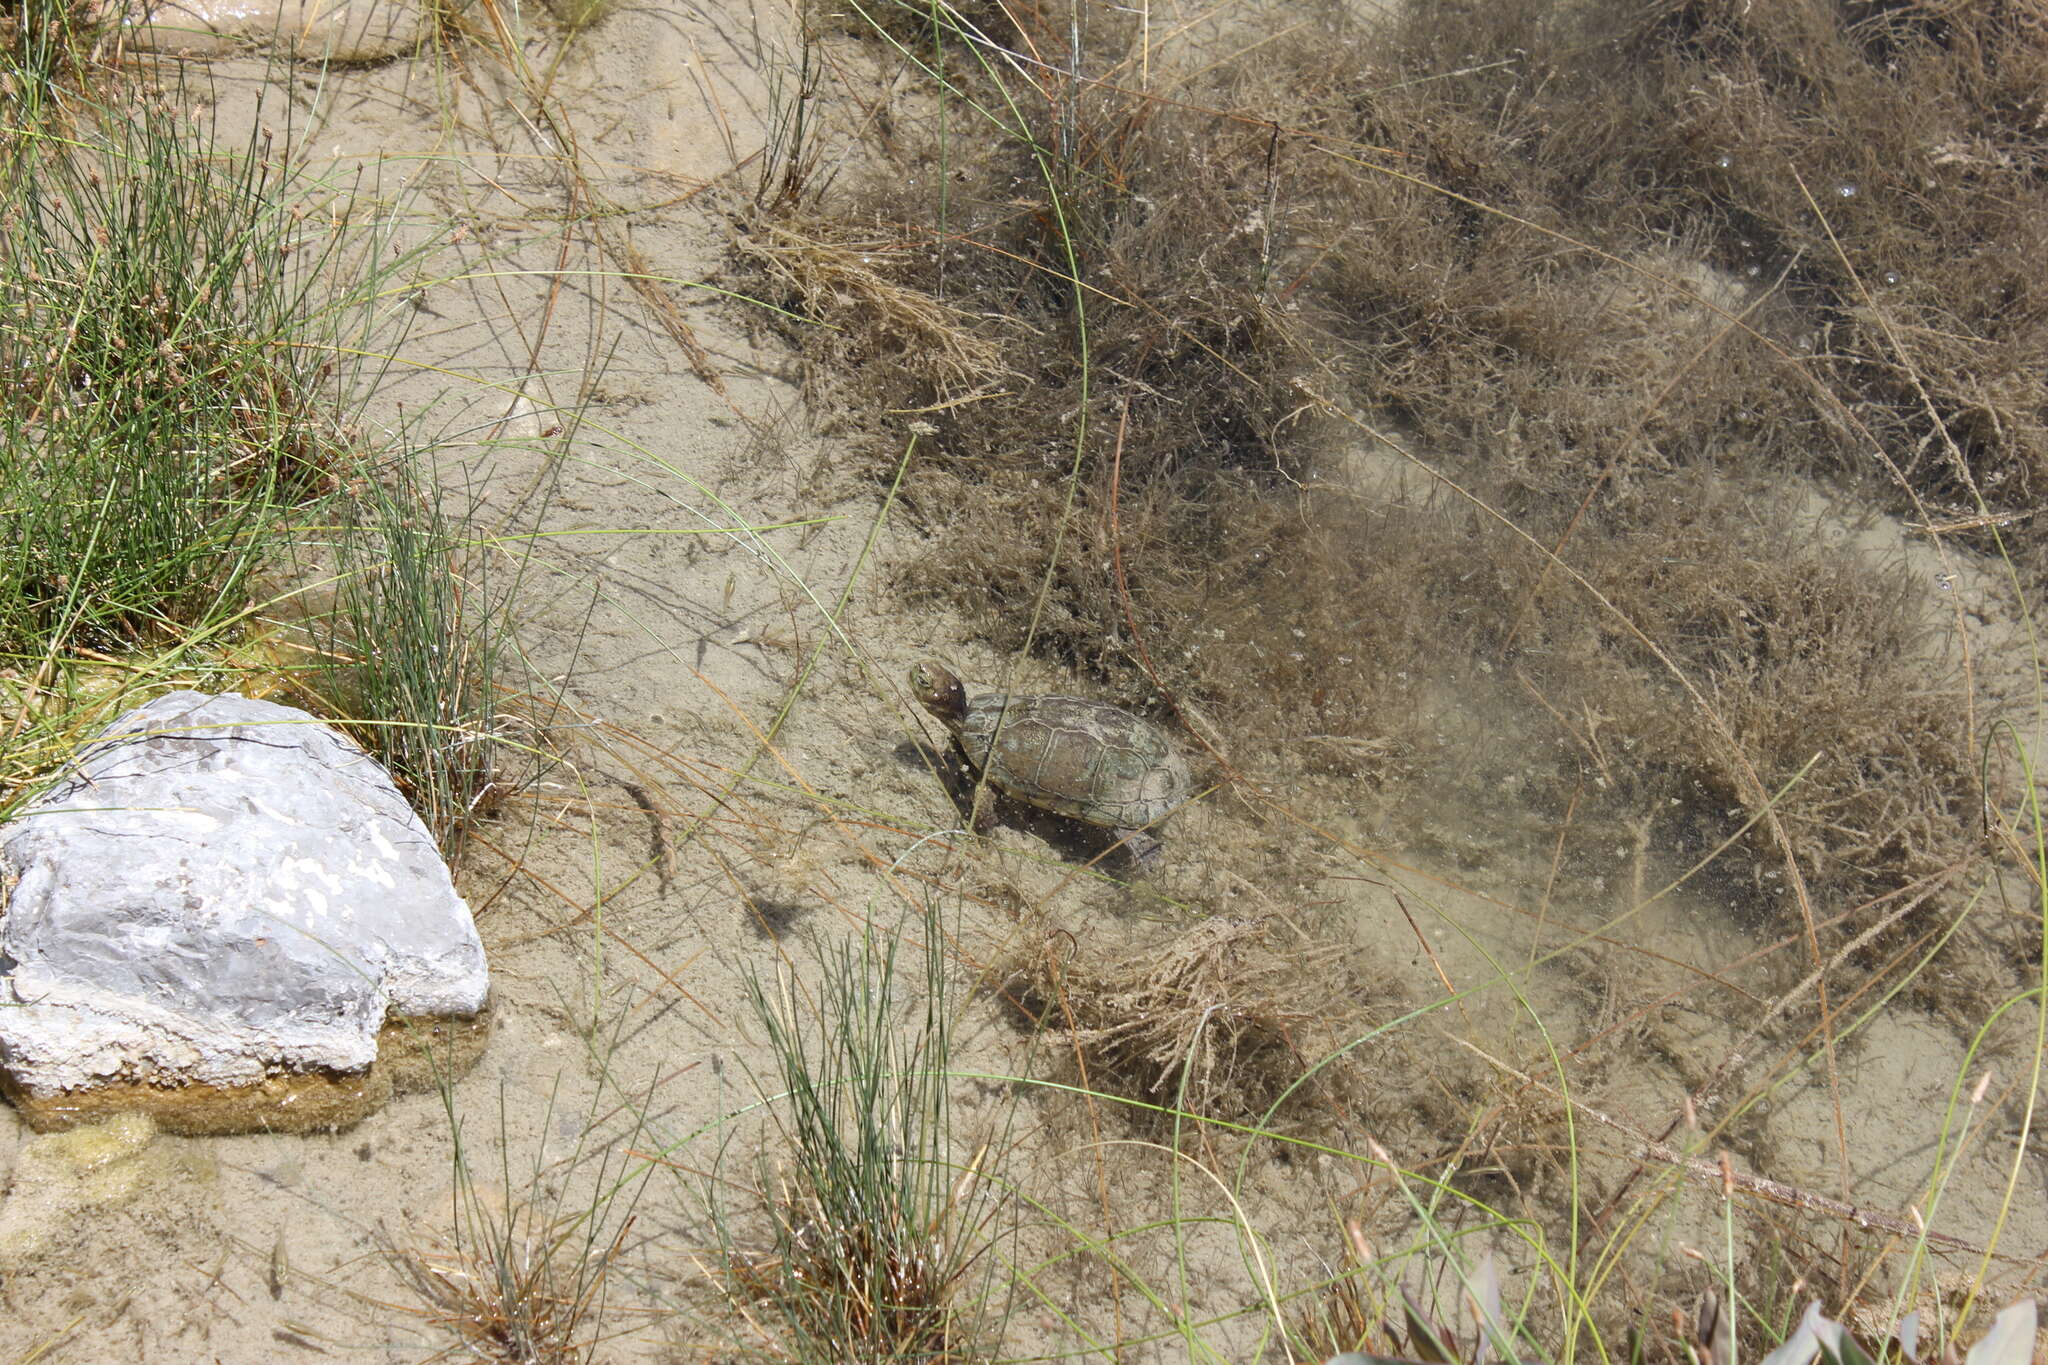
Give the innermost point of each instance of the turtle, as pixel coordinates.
(1086, 760)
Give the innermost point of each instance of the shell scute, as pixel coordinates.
(1083, 759)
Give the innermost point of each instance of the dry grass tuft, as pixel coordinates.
(513, 1284)
(1881, 154)
(1223, 1022)
(1815, 663)
(837, 275)
(870, 1285)
(1349, 1313)
(1367, 1309)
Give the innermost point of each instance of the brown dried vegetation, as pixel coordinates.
(1616, 269)
(1228, 1020)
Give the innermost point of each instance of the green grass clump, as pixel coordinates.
(412, 653)
(159, 410)
(876, 1225)
(177, 424)
(47, 51)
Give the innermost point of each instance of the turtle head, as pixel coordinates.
(939, 692)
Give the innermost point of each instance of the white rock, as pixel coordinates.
(220, 889)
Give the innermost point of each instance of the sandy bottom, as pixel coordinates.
(1519, 970)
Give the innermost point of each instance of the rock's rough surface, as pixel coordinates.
(306, 30)
(221, 903)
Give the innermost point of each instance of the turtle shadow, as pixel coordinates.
(1076, 841)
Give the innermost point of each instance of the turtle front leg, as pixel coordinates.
(982, 818)
(981, 796)
(1146, 851)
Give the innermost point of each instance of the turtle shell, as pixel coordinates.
(1086, 760)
